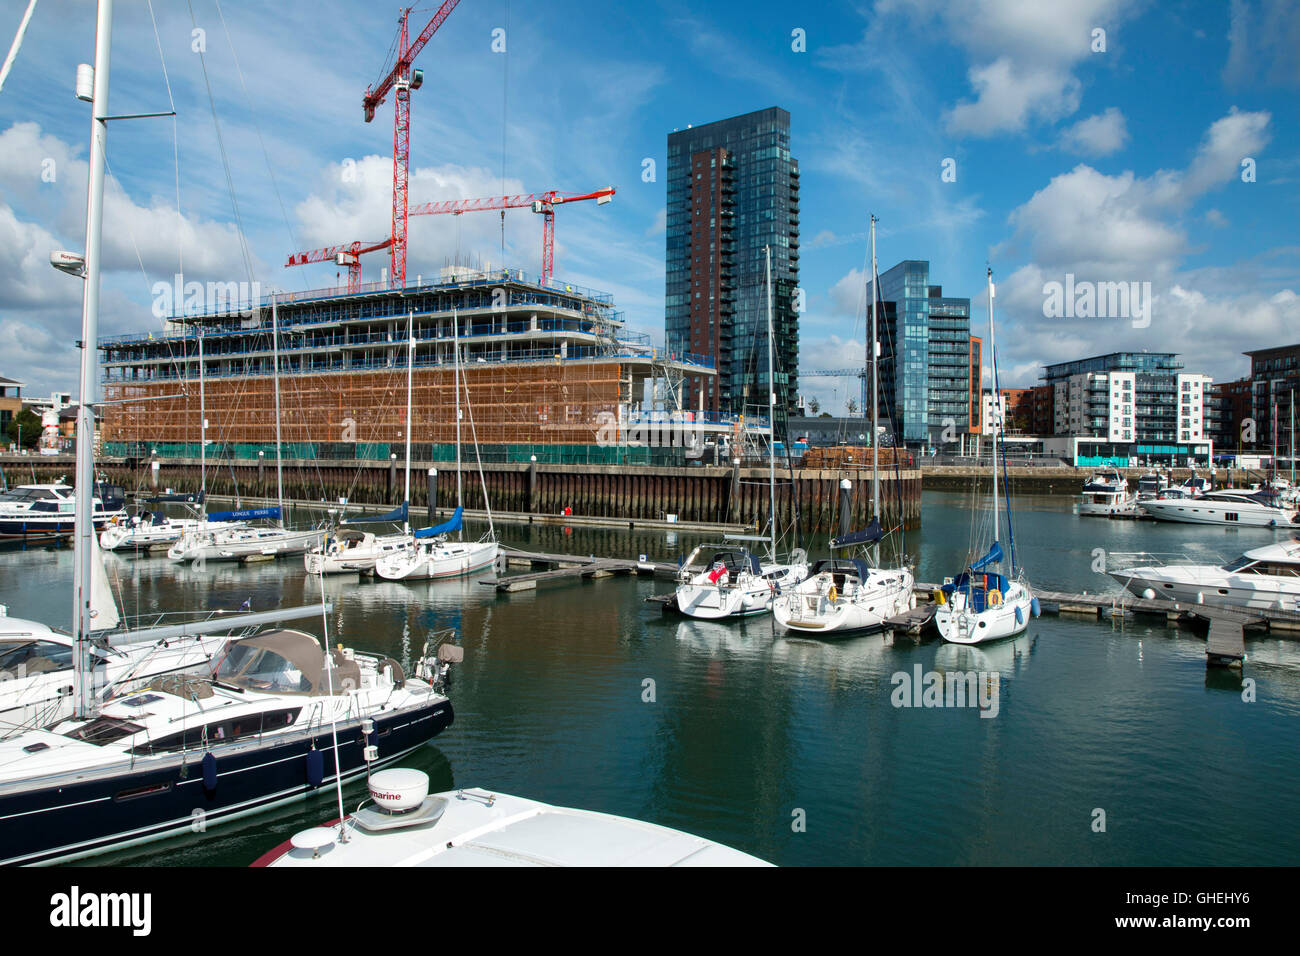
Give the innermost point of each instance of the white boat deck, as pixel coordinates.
(477, 828)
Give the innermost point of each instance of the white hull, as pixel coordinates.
(959, 624)
(1209, 584)
(1195, 511)
(245, 544)
(809, 607)
(360, 559)
(1093, 505)
(145, 537)
(437, 560)
(750, 594)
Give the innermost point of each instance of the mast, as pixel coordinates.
(455, 343)
(1291, 443)
(771, 408)
(203, 429)
(875, 391)
(275, 364)
(83, 526)
(410, 367)
(997, 419)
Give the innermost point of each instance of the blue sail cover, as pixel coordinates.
(868, 535)
(248, 514)
(445, 528)
(993, 557)
(399, 514)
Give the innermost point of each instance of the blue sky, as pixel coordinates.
(1122, 164)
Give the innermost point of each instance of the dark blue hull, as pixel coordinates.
(47, 824)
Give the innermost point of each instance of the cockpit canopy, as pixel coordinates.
(286, 662)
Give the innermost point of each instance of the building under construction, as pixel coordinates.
(547, 368)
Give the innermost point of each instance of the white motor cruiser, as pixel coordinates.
(1264, 578)
(1231, 507)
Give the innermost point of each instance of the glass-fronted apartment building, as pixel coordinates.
(926, 356)
(1274, 382)
(1133, 405)
(733, 190)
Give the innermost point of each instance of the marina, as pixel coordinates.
(367, 537)
(595, 640)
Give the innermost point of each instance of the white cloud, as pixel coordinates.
(1127, 228)
(1098, 135)
(1023, 55)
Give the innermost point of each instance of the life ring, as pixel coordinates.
(995, 597)
(832, 594)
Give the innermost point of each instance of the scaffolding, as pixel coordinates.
(560, 402)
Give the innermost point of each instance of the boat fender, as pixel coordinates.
(315, 767)
(1036, 608)
(209, 772)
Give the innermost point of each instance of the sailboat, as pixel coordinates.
(733, 582)
(349, 550)
(239, 541)
(432, 552)
(282, 718)
(982, 603)
(853, 594)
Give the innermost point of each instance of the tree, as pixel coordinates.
(30, 425)
(851, 406)
(814, 406)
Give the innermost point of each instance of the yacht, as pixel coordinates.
(350, 551)
(402, 824)
(150, 531)
(1151, 485)
(1111, 503)
(983, 604)
(734, 583)
(844, 594)
(55, 515)
(431, 553)
(1106, 481)
(731, 582)
(260, 733)
(21, 498)
(1263, 578)
(1231, 507)
(227, 536)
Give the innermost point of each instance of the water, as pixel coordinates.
(750, 731)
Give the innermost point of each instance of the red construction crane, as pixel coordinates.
(347, 255)
(543, 203)
(403, 80)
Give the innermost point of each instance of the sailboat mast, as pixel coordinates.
(997, 419)
(203, 425)
(83, 525)
(455, 343)
(875, 391)
(275, 365)
(410, 367)
(771, 408)
(1292, 441)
